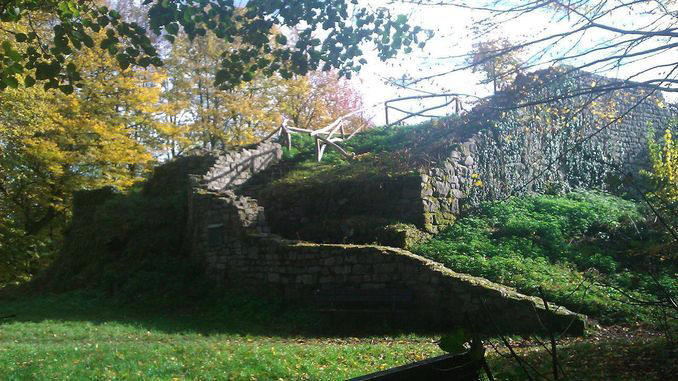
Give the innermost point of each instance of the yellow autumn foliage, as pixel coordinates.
(664, 159)
(52, 144)
(113, 129)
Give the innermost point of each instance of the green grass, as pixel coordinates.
(82, 337)
(378, 151)
(568, 245)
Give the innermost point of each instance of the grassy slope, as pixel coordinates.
(569, 245)
(378, 151)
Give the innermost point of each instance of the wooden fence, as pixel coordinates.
(334, 133)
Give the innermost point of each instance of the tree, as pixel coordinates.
(634, 40)
(501, 70)
(52, 144)
(318, 99)
(210, 117)
(205, 116)
(47, 58)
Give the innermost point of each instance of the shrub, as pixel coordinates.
(557, 242)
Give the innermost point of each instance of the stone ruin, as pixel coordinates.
(252, 242)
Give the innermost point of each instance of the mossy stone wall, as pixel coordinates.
(343, 210)
(523, 150)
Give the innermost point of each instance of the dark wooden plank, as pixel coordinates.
(441, 368)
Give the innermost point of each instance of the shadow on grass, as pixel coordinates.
(228, 312)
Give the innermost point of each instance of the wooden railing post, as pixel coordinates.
(319, 149)
(288, 138)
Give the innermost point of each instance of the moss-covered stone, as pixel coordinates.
(401, 235)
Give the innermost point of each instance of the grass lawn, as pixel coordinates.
(82, 337)
(76, 337)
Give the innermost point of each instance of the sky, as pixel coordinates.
(453, 37)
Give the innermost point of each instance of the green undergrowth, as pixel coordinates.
(573, 246)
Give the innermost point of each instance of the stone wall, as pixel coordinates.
(228, 234)
(516, 153)
(344, 209)
(216, 214)
(363, 277)
(233, 168)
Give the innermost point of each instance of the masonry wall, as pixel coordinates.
(233, 168)
(517, 154)
(229, 234)
(343, 210)
(215, 211)
(365, 277)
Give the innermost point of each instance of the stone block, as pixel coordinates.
(342, 269)
(385, 268)
(360, 269)
(469, 161)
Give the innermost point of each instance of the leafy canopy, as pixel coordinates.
(52, 144)
(257, 26)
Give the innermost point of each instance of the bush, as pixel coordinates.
(557, 243)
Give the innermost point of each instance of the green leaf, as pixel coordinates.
(88, 41)
(454, 341)
(63, 7)
(123, 60)
(103, 21)
(281, 39)
(172, 28)
(66, 89)
(20, 37)
(51, 84)
(11, 82)
(42, 71)
(73, 8)
(6, 46)
(29, 81)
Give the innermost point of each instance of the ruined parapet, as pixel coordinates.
(233, 168)
(216, 214)
(372, 278)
